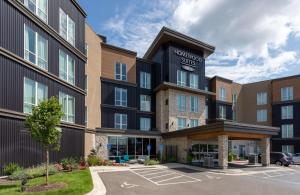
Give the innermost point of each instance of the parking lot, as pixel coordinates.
(183, 180)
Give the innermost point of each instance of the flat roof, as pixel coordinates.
(166, 35)
(224, 126)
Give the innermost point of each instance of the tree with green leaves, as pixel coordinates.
(43, 125)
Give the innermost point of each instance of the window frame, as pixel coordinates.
(67, 27)
(287, 131)
(287, 148)
(195, 77)
(223, 97)
(36, 86)
(259, 115)
(121, 75)
(145, 101)
(36, 55)
(122, 126)
(194, 109)
(261, 98)
(144, 77)
(121, 90)
(222, 112)
(37, 8)
(180, 107)
(183, 119)
(68, 68)
(285, 112)
(148, 120)
(287, 93)
(180, 74)
(194, 124)
(68, 114)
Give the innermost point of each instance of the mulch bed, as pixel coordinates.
(44, 187)
(6, 181)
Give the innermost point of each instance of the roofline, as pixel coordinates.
(222, 78)
(179, 35)
(118, 49)
(77, 5)
(287, 77)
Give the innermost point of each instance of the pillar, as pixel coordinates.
(223, 151)
(265, 151)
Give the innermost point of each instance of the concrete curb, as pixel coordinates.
(99, 187)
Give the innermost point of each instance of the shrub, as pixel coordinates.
(94, 160)
(33, 172)
(171, 159)
(151, 162)
(10, 168)
(69, 163)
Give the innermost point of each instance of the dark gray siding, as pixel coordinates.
(12, 39)
(17, 146)
(12, 85)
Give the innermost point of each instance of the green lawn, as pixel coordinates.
(78, 182)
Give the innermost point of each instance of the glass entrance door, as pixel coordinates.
(204, 150)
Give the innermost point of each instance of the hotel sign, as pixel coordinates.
(187, 59)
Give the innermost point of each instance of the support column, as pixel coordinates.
(223, 151)
(265, 151)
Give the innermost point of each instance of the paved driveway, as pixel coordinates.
(182, 180)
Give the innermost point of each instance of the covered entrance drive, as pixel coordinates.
(216, 135)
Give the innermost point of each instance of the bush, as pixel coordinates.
(11, 167)
(94, 160)
(69, 163)
(171, 159)
(33, 172)
(151, 162)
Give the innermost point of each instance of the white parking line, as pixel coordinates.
(169, 178)
(162, 175)
(156, 173)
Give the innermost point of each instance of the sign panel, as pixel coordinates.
(188, 60)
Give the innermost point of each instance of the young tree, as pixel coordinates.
(43, 126)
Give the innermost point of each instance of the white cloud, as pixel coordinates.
(250, 36)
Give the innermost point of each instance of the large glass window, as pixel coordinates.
(122, 146)
(145, 124)
(287, 131)
(35, 48)
(181, 123)
(66, 27)
(145, 103)
(261, 98)
(194, 81)
(34, 93)
(120, 97)
(131, 147)
(139, 146)
(194, 122)
(66, 67)
(262, 115)
(288, 148)
(222, 94)
(120, 121)
(287, 112)
(181, 78)
(39, 7)
(194, 104)
(222, 112)
(146, 142)
(121, 72)
(68, 106)
(113, 142)
(145, 80)
(181, 102)
(287, 93)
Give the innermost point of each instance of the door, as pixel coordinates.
(242, 151)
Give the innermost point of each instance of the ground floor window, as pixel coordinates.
(288, 148)
(131, 146)
(204, 150)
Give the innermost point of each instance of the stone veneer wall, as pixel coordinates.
(183, 144)
(101, 145)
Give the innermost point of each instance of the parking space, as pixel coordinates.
(185, 180)
(165, 176)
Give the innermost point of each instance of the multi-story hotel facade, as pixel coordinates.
(42, 54)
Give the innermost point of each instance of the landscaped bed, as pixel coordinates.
(75, 182)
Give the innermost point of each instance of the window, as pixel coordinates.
(68, 106)
(194, 104)
(66, 67)
(206, 112)
(288, 148)
(86, 115)
(145, 124)
(145, 103)
(194, 81)
(66, 27)
(120, 121)
(287, 93)
(181, 78)
(35, 48)
(261, 98)
(181, 103)
(39, 7)
(287, 131)
(181, 123)
(194, 122)
(206, 88)
(261, 115)
(233, 115)
(222, 112)
(287, 112)
(145, 79)
(222, 94)
(234, 99)
(34, 93)
(120, 72)
(120, 97)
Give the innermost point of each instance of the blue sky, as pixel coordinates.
(254, 40)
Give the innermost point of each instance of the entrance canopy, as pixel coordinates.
(238, 131)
